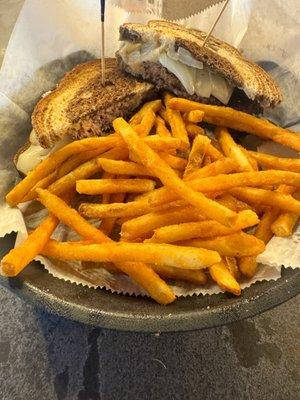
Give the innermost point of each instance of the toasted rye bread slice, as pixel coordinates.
(80, 106)
(217, 55)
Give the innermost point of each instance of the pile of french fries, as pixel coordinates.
(187, 206)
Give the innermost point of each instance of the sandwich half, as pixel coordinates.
(173, 58)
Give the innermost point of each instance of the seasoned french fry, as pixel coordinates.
(118, 167)
(195, 116)
(193, 129)
(206, 160)
(178, 127)
(42, 184)
(147, 123)
(76, 160)
(223, 166)
(115, 210)
(100, 186)
(235, 204)
(269, 161)
(19, 257)
(191, 230)
(268, 198)
(283, 226)
(196, 155)
(196, 277)
(168, 177)
(52, 162)
(173, 161)
(251, 160)
(106, 196)
(214, 153)
(248, 265)
(141, 226)
(84, 171)
(230, 118)
(154, 106)
(161, 128)
(222, 276)
(232, 150)
(234, 245)
(158, 143)
(107, 224)
(163, 254)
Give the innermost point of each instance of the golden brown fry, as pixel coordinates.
(232, 266)
(177, 126)
(161, 128)
(144, 128)
(158, 143)
(118, 167)
(169, 178)
(234, 245)
(195, 116)
(193, 129)
(100, 186)
(283, 226)
(223, 166)
(42, 184)
(196, 277)
(164, 254)
(269, 161)
(230, 118)
(214, 153)
(84, 171)
(173, 161)
(222, 276)
(206, 160)
(235, 204)
(76, 160)
(268, 198)
(19, 257)
(196, 155)
(52, 162)
(154, 106)
(141, 226)
(232, 150)
(107, 224)
(251, 160)
(191, 230)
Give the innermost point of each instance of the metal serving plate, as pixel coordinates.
(108, 310)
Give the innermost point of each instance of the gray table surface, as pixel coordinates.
(43, 356)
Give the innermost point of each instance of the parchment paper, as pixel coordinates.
(52, 36)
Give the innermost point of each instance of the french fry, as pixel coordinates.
(141, 226)
(115, 210)
(163, 254)
(248, 265)
(232, 150)
(147, 123)
(106, 196)
(161, 128)
(251, 160)
(158, 143)
(52, 162)
(196, 277)
(173, 161)
(268, 198)
(230, 118)
(76, 160)
(214, 153)
(283, 226)
(269, 161)
(107, 224)
(195, 116)
(193, 129)
(222, 276)
(196, 155)
(84, 171)
(234, 245)
(101, 186)
(19, 257)
(178, 127)
(168, 177)
(206, 160)
(235, 204)
(42, 184)
(223, 166)
(118, 167)
(191, 230)
(232, 265)
(154, 106)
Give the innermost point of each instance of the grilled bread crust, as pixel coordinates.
(217, 55)
(81, 107)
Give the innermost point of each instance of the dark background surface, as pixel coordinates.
(43, 356)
